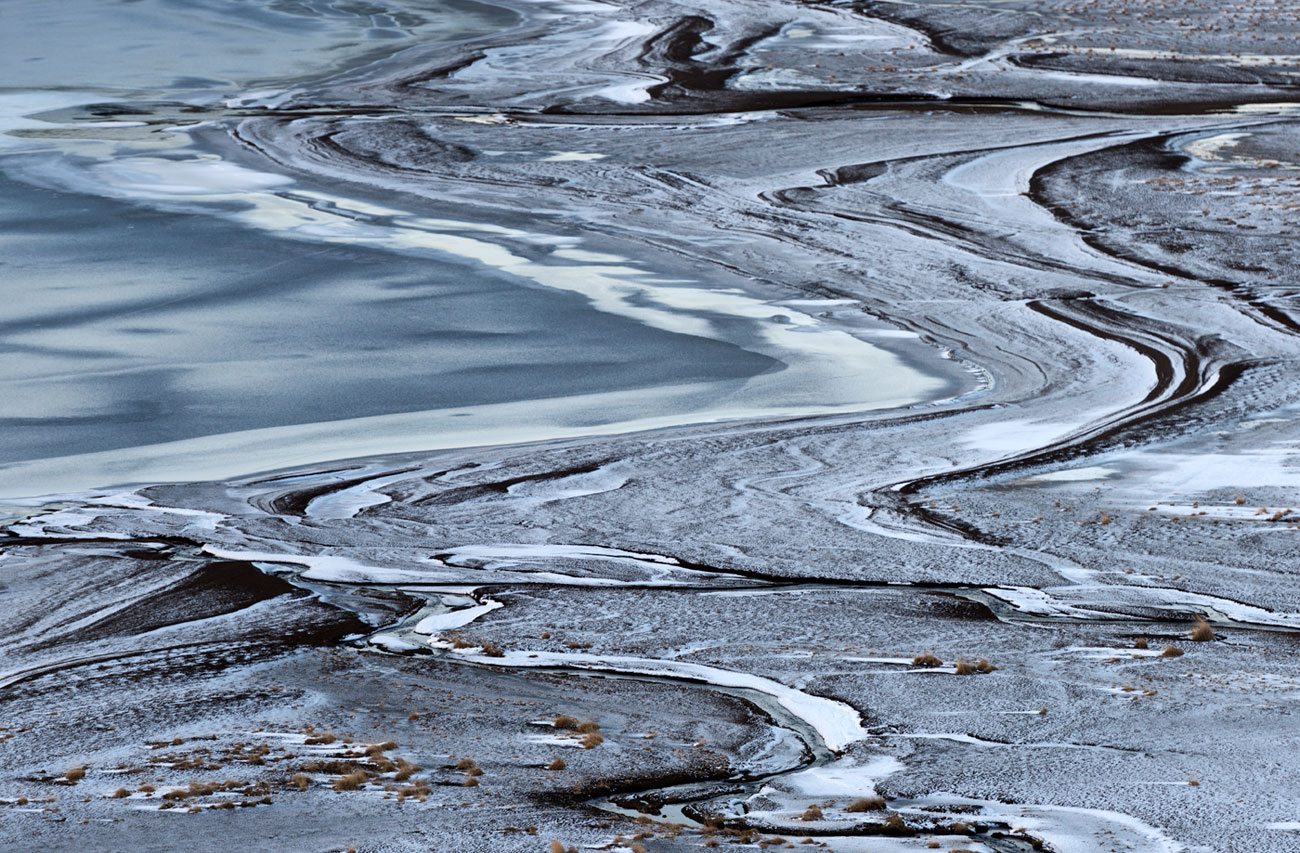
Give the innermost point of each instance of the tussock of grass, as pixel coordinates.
(964, 667)
(926, 659)
(1171, 652)
(813, 812)
(564, 721)
(557, 764)
(326, 738)
(301, 781)
(592, 741)
(866, 804)
(465, 764)
(1140, 643)
(588, 726)
(121, 793)
(376, 748)
(75, 774)
(1202, 632)
(352, 781)
(471, 781)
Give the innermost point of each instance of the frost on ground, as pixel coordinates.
(1047, 603)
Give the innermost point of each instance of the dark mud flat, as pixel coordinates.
(1027, 583)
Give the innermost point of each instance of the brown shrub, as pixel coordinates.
(376, 748)
(121, 793)
(592, 741)
(301, 781)
(964, 667)
(75, 774)
(1201, 631)
(1141, 643)
(557, 764)
(866, 804)
(465, 764)
(564, 721)
(926, 659)
(588, 727)
(985, 666)
(1171, 652)
(471, 781)
(326, 738)
(813, 812)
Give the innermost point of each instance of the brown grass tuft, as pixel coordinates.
(75, 774)
(564, 721)
(1140, 643)
(1202, 632)
(926, 659)
(352, 781)
(964, 667)
(592, 741)
(588, 727)
(557, 764)
(492, 650)
(1171, 652)
(813, 812)
(326, 738)
(895, 825)
(465, 764)
(301, 781)
(471, 781)
(867, 804)
(121, 793)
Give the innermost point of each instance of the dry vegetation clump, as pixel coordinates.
(564, 721)
(557, 764)
(492, 650)
(1171, 652)
(120, 793)
(588, 726)
(325, 738)
(352, 781)
(471, 781)
(592, 740)
(1140, 643)
(964, 667)
(1201, 631)
(557, 847)
(75, 774)
(813, 812)
(895, 825)
(866, 804)
(465, 764)
(405, 770)
(926, 659)
(301, 781)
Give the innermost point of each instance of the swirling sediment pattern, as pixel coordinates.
(978, 535)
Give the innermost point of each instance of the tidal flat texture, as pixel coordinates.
(857, 426)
